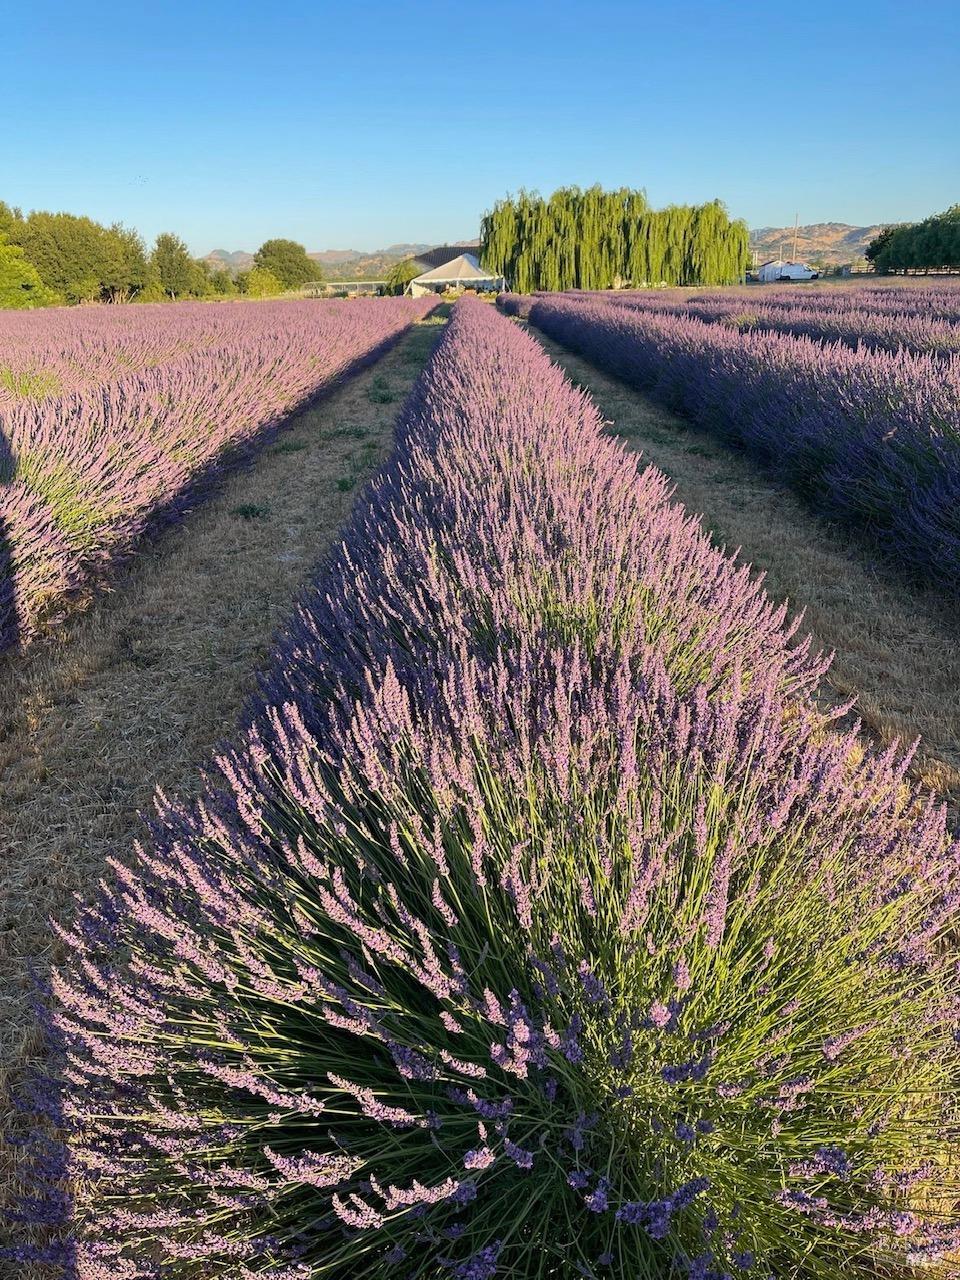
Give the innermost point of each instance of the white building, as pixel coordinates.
(771, 272)
(447, 269)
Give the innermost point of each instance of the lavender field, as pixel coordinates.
(852, 399)
(479, 665)
(859, 319)
(115, 422)
(539, 921)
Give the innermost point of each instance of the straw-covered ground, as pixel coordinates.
(896, 648)
(134, 693)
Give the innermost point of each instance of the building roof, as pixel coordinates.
(463, 267)
(443, 254)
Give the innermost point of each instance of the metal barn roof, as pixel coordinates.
(431, 258)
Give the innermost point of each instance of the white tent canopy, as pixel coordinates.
(462, 270)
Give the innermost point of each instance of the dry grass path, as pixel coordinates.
(896, 648)
(136, 692)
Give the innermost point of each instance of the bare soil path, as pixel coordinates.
(136, 692)
(897, 648)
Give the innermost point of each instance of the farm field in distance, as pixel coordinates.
(489, 781)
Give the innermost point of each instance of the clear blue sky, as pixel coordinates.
(357, 125)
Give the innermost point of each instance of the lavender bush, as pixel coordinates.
(111, 424)
(887, 319)
(537, 925)
(923, 301)
(868, 437)
(939, 300)
(824, 322)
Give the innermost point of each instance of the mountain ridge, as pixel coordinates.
(822, 243)
(343, 264)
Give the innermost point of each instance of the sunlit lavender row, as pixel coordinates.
(871, 438)
(151, 405)
(61, 350)
(939, 300)
(538, 924)
(913, 330)
(918, 330)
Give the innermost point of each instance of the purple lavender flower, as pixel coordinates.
(482, 1266)
(598, 1201)
(521, 1158)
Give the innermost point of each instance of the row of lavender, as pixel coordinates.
(931, 301)
(915, 330)
(851, 317)
(941, 299)
(62, 350)
(871, 438)
(537, 923)
(157, 408)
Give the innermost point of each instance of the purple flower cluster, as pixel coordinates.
(868, 437)
(352, 1011)
(151, 405)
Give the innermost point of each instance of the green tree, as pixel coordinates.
(263, 284)
(222, 283)
(69, 252)
(20, 285)
(78, 257)
(201, 279)
(11, 220)
(174, 268)
(84, 290)
(598, 239)
(400, 275)
(879, 249)
(287, 261)
(933, 244)
(127, 270)
(83, 261)
(152, 291)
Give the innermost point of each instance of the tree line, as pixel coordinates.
(49, 259)
(598, 239)
(930, 245)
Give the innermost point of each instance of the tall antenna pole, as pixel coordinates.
(796, 228)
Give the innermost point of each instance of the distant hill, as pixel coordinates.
(339, 264)
(357, 264)
(238, 261)
(334, 257)
(827, 243)
(376, 265)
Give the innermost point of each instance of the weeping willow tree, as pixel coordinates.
(598, 239)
